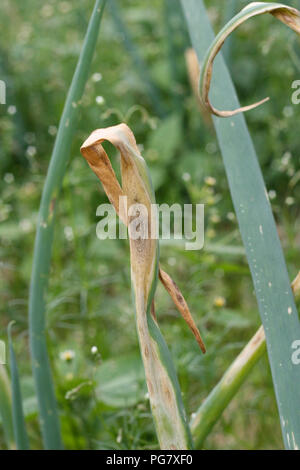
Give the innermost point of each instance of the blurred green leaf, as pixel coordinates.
(120, 381)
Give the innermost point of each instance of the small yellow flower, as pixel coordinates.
(67, 355)
(210, 181)
(210, 233)
(219, 302)
(215, 218)
(210, 200)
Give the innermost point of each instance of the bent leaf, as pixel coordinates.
(288, 15)
(134, 183)
(164, 391)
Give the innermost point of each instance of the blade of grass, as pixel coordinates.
(44, 237)
(20, 433)
(169, 13)
(137, 59)
(264, 253)
(6, 408)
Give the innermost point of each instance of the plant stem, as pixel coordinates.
(44, 237)
(214, 405)
(20, 433)
(6, 408)
(164, 391)
(222, 394)
(137, 59)
(264, 253)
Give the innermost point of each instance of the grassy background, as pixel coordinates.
(102, 397)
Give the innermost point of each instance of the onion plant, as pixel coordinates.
(44, 236)
(20, 433)
(6, 407)
(163, 387)
(219, 398)
(272, 286)
(275, 297)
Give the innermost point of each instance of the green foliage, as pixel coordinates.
(120, 382)
(6, 408)
(20, 432)
(87, 303)
(44, 236)
(274, 295)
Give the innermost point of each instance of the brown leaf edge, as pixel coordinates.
(98, 160)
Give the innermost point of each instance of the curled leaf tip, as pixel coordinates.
(286, 14)
(178, 299)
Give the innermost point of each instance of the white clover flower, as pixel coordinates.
(31, 151)
(186, 177)
(100, 100)
(52, 130)
(230, 216)
(25, 225)
(210, 181)
(272, 194)
(11, 110)
(68, 231)
(97, 77)
(290, 201)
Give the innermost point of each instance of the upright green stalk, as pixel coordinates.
(20, 433)
(6, 408)
(220, 397)
(137, 59)
(170, 7)
(264, 253)
(213, 406)
(44, 237)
